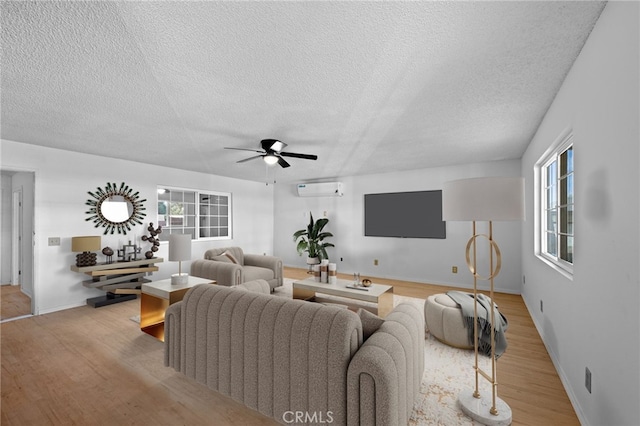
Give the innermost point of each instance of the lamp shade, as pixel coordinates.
(82, 244)
(483, 199)
(179, 247)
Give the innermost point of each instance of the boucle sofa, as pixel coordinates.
(230, 266)
(291, 359)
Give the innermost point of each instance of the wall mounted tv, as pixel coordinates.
(404, 214)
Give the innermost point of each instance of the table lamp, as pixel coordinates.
(484, 199)
(84, 246)
(179, 250)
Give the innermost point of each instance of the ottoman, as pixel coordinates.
(443, 318)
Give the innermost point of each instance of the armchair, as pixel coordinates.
(230, 266)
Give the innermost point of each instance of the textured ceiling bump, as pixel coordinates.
(367, 86)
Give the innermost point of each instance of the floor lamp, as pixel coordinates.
(486, 199)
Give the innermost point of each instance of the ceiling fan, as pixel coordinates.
(272, 153)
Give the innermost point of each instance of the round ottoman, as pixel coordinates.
(444, 321)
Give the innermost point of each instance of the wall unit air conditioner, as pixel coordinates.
(320, 189)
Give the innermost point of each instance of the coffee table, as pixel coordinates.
(155, 299)
(380, 294)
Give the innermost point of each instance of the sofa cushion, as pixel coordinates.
(257, 273)
(229, 256)
(370, 323)
(236, 252)
(222, 258)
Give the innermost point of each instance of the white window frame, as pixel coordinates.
(199, 215)
(553, 154)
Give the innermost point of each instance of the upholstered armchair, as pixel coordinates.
(230, 266)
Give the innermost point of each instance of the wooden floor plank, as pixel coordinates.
(13, 302)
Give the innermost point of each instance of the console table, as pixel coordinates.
(121, 280)
(156, 298)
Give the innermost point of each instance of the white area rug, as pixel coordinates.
(448, 371)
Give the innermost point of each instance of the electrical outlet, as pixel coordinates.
(341, 260)
(375, 262)
(54, 241)
(541, 307)
(524, 279)
(587, 379)
(454, 269)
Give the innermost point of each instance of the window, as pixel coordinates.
(556, 225)
(200, 214)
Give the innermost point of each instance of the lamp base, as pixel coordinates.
(478, 409)
(180, 279)
(86, 258)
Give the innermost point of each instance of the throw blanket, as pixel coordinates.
(465, 302)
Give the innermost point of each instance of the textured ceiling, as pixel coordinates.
(369, 87)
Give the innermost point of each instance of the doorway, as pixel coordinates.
(17, 290)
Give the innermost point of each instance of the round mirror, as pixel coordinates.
(116, 209)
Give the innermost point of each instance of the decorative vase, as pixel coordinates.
(108, 251)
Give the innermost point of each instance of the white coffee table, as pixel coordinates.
(156, 297)
(380, 294)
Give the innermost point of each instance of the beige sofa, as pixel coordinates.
(290, 359)
(230, 266)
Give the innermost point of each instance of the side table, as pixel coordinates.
(156, 297)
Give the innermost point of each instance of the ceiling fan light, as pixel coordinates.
(270, 159)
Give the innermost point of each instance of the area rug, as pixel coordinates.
(448, 371)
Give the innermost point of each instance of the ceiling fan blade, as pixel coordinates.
(296, 155)
(250, 158)
(272, 145)
(243, 149)
(283, 163)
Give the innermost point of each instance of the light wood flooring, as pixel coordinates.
(93, 366)
(13, 302)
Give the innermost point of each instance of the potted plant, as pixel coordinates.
(311, 240)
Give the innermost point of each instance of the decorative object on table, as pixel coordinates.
(108, 251)
(179, 250)
(153, 239)
(85, 246)
(115, 209)
(333, 273)
(128, 252)
(316, 272)
(311, 240)
(356, 279)
(484, 199)
(324, 271)
(366, 282)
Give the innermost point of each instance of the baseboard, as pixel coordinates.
(561, 374)
(60, 308)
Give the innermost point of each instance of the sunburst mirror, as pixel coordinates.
(115, 209)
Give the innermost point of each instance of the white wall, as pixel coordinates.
(593, 320)
(62, 179)
(413, 259)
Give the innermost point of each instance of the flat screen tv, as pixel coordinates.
(404, 215)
